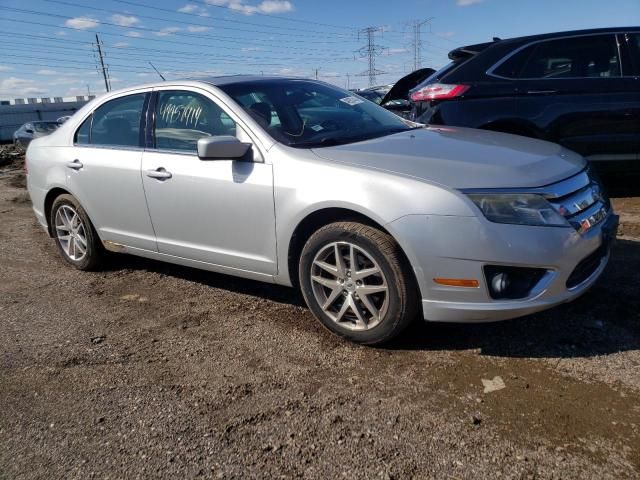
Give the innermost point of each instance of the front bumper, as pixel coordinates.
(460, 247)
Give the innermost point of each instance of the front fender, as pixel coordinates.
(302, 187)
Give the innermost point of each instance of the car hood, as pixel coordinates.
(462, 158)
(400, 90)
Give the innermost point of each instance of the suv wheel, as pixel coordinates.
(356, 282)
(74, 234)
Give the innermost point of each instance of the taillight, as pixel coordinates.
(438, 91)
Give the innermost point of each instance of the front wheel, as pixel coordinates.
(74, 234)
(357, 282)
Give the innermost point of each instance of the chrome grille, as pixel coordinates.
(580, 200)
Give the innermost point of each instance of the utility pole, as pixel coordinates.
(317, 69)
(417, 41)
(348, 80)
(105, 74)
(371, 50)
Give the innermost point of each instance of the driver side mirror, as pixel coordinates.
(222, 147)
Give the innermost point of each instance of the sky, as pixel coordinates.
(48, 47)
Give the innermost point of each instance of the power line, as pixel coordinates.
(208, 4)
(199, 24)
(157, 40)
(371, 50)
(218, 38)
(144, 53)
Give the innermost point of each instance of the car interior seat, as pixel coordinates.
(118, 131)
(261, 111)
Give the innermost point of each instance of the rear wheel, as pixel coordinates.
(357, 283)
(74, 234)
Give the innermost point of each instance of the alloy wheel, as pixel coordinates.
(349, 286)
(71, 232)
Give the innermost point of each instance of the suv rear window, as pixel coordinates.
(593, 56)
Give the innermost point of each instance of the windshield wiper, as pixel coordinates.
(333, 141)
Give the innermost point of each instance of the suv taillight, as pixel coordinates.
(438, 91)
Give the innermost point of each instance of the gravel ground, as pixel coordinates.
(151, 370)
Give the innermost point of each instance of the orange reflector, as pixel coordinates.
(457, 282)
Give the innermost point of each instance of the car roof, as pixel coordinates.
(469, 50)
(232, 79)
(216, 81)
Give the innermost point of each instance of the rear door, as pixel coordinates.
(103, 171)
(577, 93)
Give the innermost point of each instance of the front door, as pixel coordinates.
(216, 211)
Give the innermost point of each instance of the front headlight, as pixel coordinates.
(518, 209)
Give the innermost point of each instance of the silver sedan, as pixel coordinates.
(296, 182)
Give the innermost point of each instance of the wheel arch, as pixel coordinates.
(324, 216)
(48, 203)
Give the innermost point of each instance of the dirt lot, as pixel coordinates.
(149, 370)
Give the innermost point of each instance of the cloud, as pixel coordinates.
(167, 31)
(444, 34)
(133, 34)
(197, 29)
(124, 20)
(81, 23)
(5, 68)
(466, 3)
(120, 45)
(46, 72)
(61, 33)
(266, 6)
(188, 8)
(395, 51)
(15, 86)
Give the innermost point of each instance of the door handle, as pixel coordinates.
(159, 174)
(75, 165)
(541, 92)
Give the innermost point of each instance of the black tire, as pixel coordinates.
(401, 294)
(94, 251)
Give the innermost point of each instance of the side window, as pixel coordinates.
(82, 134)
(592, 56)
(513, 65)
(117, 122)
(182, 118)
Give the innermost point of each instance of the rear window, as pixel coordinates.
(594, 56)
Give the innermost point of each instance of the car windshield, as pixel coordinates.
(44, 127)
(373, 95)
(306, 114)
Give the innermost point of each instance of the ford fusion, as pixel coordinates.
(296, 182)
